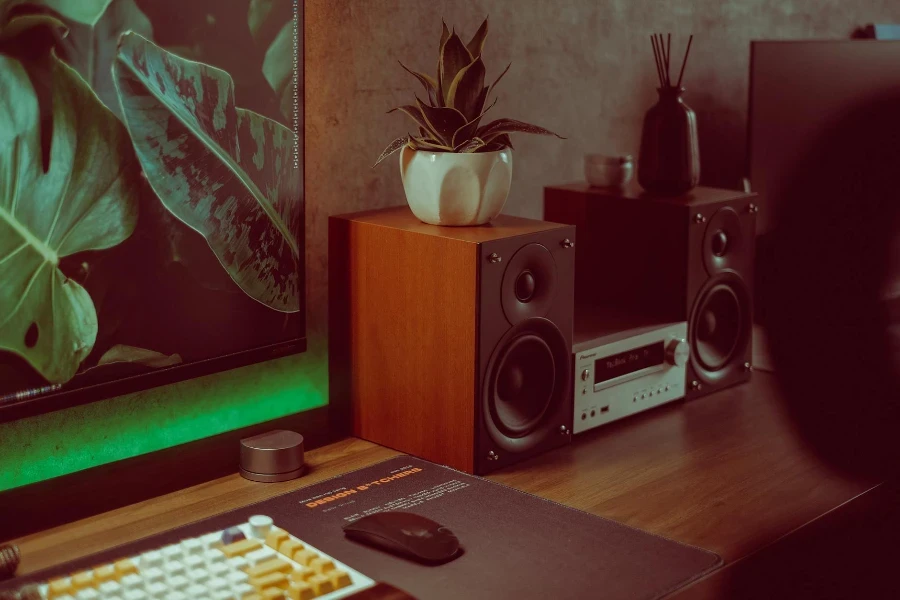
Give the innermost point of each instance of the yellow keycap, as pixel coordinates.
(321, 584)
(304, 557)
(240, 548)
(302, 574)
(300, 591)
(273, 594)
(60, 587)
(275, 536)
(124, 567)
(340, 579)
(270, 566)
(278, 580)
(252, 596)
(322, 565)
(82, 580)
(289, 547)
(105, 573)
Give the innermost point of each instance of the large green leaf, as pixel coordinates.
(226, 172)
(90, 38)
(85, 200)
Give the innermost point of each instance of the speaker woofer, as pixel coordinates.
(529, 284)
(720, 327)
(527, 380)
(723, 244)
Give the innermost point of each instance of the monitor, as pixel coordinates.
(151, 194)
(798, 87)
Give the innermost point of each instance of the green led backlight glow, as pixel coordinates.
(71, 440)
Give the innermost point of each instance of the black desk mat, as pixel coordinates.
(515, 545)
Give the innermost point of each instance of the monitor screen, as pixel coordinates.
(796, 89)
(151, 192)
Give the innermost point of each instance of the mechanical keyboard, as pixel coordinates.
(255, 560)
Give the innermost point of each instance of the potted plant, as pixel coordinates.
(457, 171)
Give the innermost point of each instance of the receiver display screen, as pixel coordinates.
(627, 362)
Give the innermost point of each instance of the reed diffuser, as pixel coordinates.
(669, 160)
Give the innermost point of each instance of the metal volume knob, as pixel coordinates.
(677, 352)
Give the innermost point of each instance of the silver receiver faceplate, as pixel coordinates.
(628, 372)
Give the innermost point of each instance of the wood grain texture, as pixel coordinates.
(102, 532)
(723, 472)
(410, 342)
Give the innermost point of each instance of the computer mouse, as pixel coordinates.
(406, 534)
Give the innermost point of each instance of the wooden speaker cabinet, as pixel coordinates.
(452, 343)
(683, 258)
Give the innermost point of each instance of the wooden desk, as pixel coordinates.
(722, 472)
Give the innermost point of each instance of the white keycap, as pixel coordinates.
(218, 570)
(171, 553)
(211, 539)
(135, 595)
(88, 594)
(261, 555)
(195, 562)
(110, 587)
(64, 597)
(176, 595)
(151, 559)
(192, 546)
(196, 591)
(214, 556)
(198, 575)
(223, 595)
(157, 590)
(179, 582)
(242, 589)
(218, 584)
(113, 597)
(132, 581)
(174, 568)
(236, 577)
(153, 574)
(238, 563)
(260, 526)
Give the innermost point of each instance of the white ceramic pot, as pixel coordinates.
(445, 188)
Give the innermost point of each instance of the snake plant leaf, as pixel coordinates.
(476, 44)
(393, 147)
(226, 172)
(427, 82)
(467, 131)
(470, 146)
(85, 200)
(278, 69)
(496, 81)
(454, 58)
(501, 126)
(445, 35)
(442, 120)
(466, 89)
(415, 113)
(424, 144)
(501, 142)
(92, 30)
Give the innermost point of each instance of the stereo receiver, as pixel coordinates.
(623, 371)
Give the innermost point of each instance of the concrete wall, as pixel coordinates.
(583, 68)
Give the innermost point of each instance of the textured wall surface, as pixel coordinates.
(582, 68)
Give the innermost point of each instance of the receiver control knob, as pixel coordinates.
(677, 352)
(585, 374)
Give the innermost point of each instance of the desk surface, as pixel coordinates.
(723, 472)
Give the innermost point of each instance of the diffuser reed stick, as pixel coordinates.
(662, 55)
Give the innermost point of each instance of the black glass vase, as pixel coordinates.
(669, 161)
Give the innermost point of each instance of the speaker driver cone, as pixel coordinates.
(720, 327)
(723, 243)
(527, 381)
